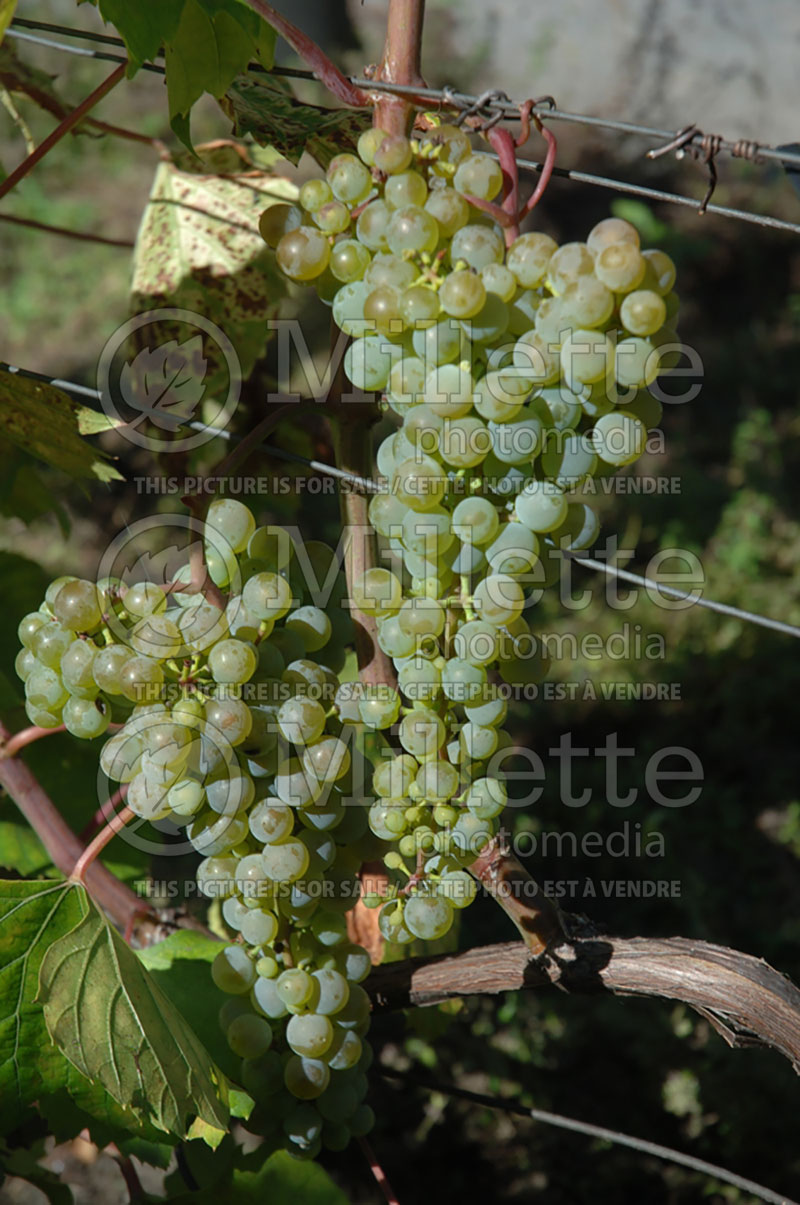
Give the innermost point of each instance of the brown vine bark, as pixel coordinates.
(746, 1000)
(400, 63)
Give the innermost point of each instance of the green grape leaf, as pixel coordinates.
(214, 40)
(32, 916)
(47, 423)
(280, 1179)
(273, 117)
(20, 848)
(116, 1025)
(199, 249)
(143, 26)
(6, 15)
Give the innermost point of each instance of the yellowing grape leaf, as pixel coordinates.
(48, 424)
(6, 15)
(116, 1025)
(273, 117)
(199, 250)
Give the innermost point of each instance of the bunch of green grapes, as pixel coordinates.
(516, 372)
(224, 723)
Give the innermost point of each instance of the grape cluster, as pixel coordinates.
(516, 372)
(223, 723)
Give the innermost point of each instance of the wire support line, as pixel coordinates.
(80, 50)
(490, 103)
(370, 486)
(666, 1153)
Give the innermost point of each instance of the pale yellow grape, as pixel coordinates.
(371, 225)
(367, 362)
(449, 390)
(586, 356)
(412, 229)
(382, 310)
(303, 254)
(420, 483)
(328, 758)
(385, 511)
(144, 598)
(498, 599)
(522, 311)
(267, 595)
(637, 362)
(619, 438)
(423, 425)
(278, 220)
(536, 359)
(445, 146)
(500, 395)
(464, 442)
(514, 550)
(406, 383)
(551, 322)
(301, 720)
(528, 258)
(517, 442)
(419, 307)
(156, 636)
(643, 312)
(285, 861)
(377, 592)
(392, 778)
(422, 733)
(499, 279)
(393, 154)
(477, 642)
(541, 506)
(477, 246)
(620, 267)
(349, 179)
(421, 617)
(475, 520)
(587, 302)
(462, 294)
(610, 231)
(660, 272)
(437, 781)
(567, 264)
(428, 534)
(349, 260)
(368, 143)
(450, 210)
(348, 308)
(479, 175)
(314, 194)
(405, 188)
(392, 270)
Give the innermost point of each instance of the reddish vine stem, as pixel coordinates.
(64, 127)
(400, 63)
(26, 736)
(378, 1172)
(104, 813)
(65, 232)
(115, 825)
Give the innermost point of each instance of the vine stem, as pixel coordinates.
(64, 127)
(115, 824)
(378, 1172)
(26, 736)
(400, 63)
(104, 812)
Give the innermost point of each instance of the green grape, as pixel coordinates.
(428, 917)
(28, 627)
(233, 521)
(368, 143)
(215, 877)
(371, 225)
(551, 322)
(439, 343)
(380, 706)
(620, 266)
(541, 506)
(499, 280)
(486, 798)
(539, 362)
(405, 188)
(285, 861)
(462, 681)
(610, 231)
(587, 302)
(458, 888)
(498, 599)
(267, 595)
(568, 459)
(327, 759)
(619, 438)
(186, 796)
(464, 442)
(450, 210)
(41, 716)
(522, 311)
(348, 308)
(411, 228)
(303, 1126)
(419, 680)
(382, 310)
(25, 663)
(476, 642)
(437, 781)
(428, 534)
(259, 928)
(76, 606)
(567, 265)
(45, 689)
(490, 322)
(586, 356)
(278, 220)
(228, 721)
(421, 617)
(367, 363)
(76, 669)
(295, 987)
(229, 793)
(144, 598)
(50, 642)
(293, 785)
(445, 146)
(270, 821)
(303, 254)
(449, 390)
(393, 154)
(659, 273)
(643, 312)
(349, 179)
(499, 396)
(344, 1051)
(156, 636)
(314, 194)
(233, 971)
(306, 1078)
(107, 667)
(385, 511)
(462, 294)
(419, 307)
(394, 777)
(422, 733)
(419, 483)
(377, 592)
(477, 246)
(306, 677)
(83, 718)
(266, 999)
(309, 1034)
(301, 720)
(637, 362)
(249, 1036)
(475, 520)
(332, 218)
(478, 175)
(349, 260)
(517, 442)
(354, 962)
(528, 258)
(469, 835)
(578, 530)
